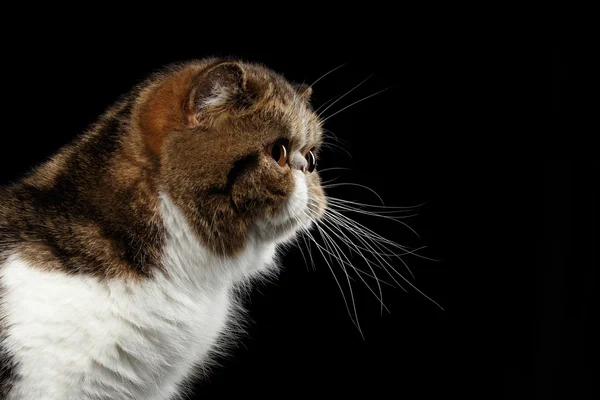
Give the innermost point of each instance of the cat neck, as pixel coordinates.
(186, 258)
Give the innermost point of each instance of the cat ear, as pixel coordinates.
(304, 91)
(222, 85)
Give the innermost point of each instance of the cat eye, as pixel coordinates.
(278, 151)
(312, 161)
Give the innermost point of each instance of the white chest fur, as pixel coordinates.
(80, 338)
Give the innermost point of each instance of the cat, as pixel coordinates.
(121, 255)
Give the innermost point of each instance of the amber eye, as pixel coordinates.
(278, 151)
(312, 161)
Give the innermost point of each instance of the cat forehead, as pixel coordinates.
(297, 123)
(281, 108)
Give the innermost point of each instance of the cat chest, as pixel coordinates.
(112, 336)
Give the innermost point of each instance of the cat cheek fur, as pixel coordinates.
(223, 186)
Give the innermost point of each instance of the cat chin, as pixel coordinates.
(267, 231)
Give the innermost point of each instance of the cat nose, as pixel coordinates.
(298, 162)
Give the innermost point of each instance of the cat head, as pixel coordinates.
(236, 147)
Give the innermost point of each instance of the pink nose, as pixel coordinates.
(298, 162)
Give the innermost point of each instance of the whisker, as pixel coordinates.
(329, 134)
(351, 266)
(300, 247)
(329, 198)
(341, 97)
(352, 226)
(330, 180)
(387, 214)
(348, 263)
(309, 250)
(349, 285)
(333, 145)
(365, 231)
(348, 106)
(337, 282)
(337, 230)
(380, 297)
(354, 184)
(408, 282)
(327, 73)
(325, 103)
(372, 251)
(332, 169)
(341, 254)
(375, 239)
(396, 219)
(321, 77)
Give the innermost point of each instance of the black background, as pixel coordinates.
(457, 129)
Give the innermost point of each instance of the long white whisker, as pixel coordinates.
(341, 290)
(379, 257)
(383, 249)
(365, 205)
(334, 276)
(320, 249)
(327, 73)
(341, 97)
(349, 264)
(333, 204)
(348, 106)
(333, 145)
(378, 238)
(319, 78)
(413, 286)
(352, 226)
(352, 266)
(312, 262)
(379, 214)
(300, 247)
(329, 134)
(340, 252)
(338, 232)
(331, 180)
(366, 230)
(349, 286)
(333, 169)
(325, 103)
(375, 241)
(380, 297)
(355, 184)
